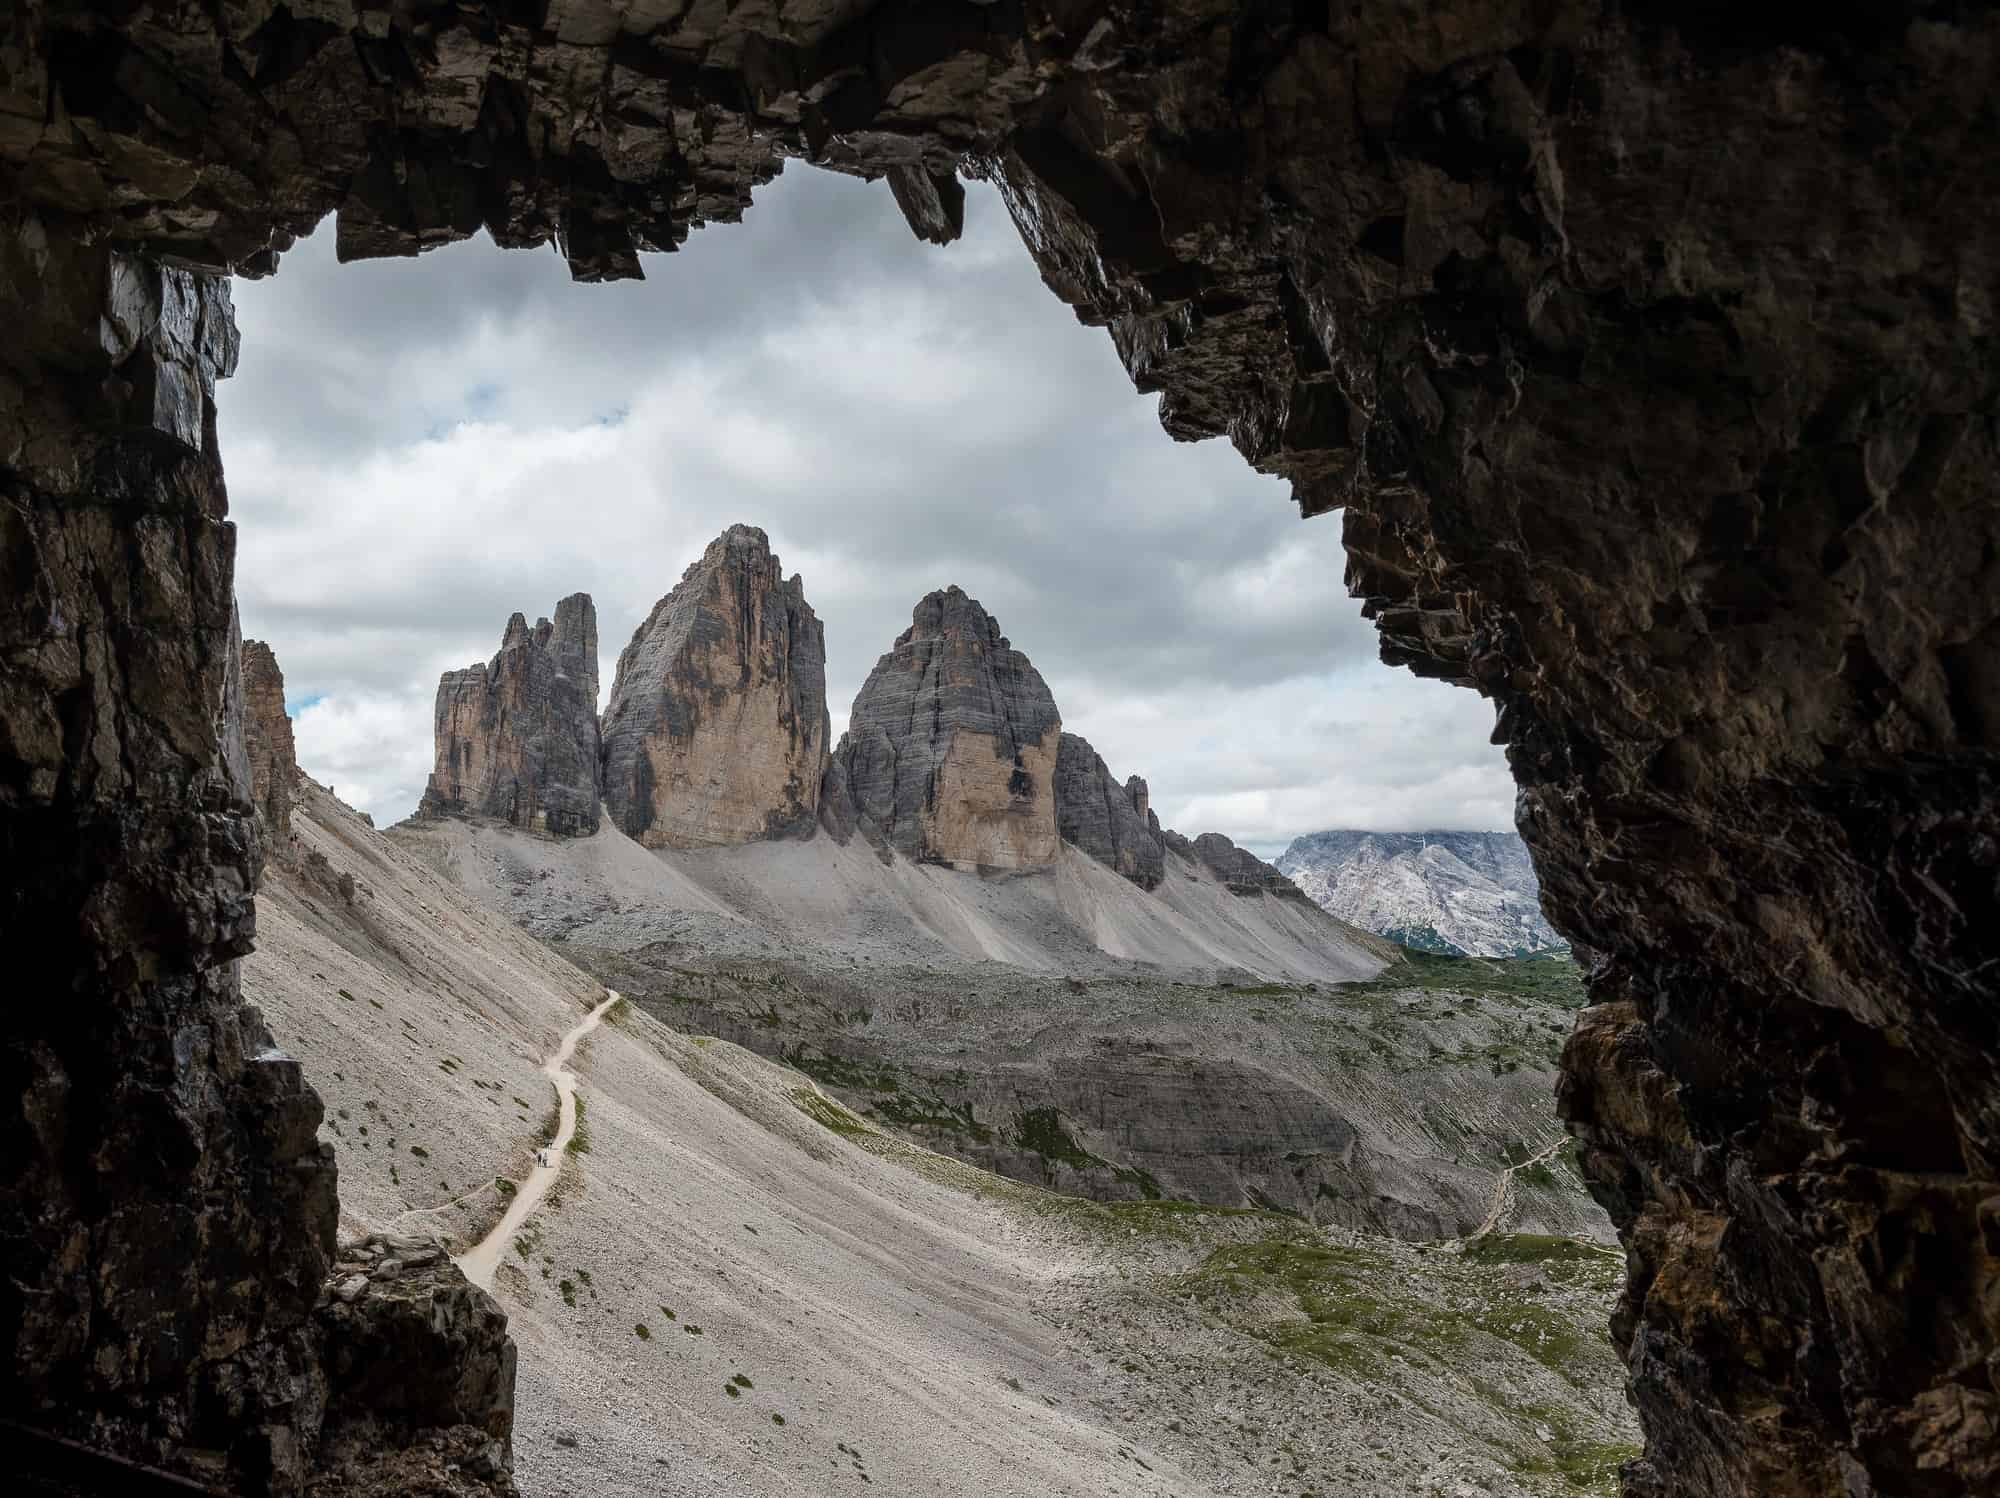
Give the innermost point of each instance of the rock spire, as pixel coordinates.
(950, 753)
(1113, 823)
(267, 734)
(516, 737)
(716, 731)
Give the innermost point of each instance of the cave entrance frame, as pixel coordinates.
(1650, 361)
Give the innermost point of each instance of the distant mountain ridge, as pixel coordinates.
(1469, 893)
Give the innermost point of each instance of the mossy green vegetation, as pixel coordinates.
(1041, 1131)
(1542, 1248)
(828, 1114)
(1522, 1346)
(1352, 1314)
(1551, 978)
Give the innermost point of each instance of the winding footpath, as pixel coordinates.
(481, 1262)
(1503, 1189)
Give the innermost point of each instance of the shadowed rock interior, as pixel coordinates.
(1647, 349)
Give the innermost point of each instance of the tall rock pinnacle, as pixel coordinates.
(517, 737)
(716, 731)
(1113, 823)
(267, 735)
(951, 748)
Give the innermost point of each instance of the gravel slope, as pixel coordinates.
(891, 1321)
(818, 900)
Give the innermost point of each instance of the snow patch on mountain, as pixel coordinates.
(1472, 893)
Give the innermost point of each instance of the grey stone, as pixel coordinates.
(1113, 823)
(951, 746)
(516, 737)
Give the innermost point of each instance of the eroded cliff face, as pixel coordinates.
(167, 1212)
(716, 730)
(950, 750)
(267, 736)
(1648, 349)
(1113, 823)
(516, 738)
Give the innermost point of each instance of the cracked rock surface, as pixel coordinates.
(267, 734)
(1647, 348)
(516, 736)
(420, 1376)
(716, 729)
(951, 746)
(1113, 823)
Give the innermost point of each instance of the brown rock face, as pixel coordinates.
(716, 730)
(1648, 348)
(167, 1212)
(267, 735)
(950, 751)
(517, 737)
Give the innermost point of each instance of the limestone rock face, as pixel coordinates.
(1238, 868)
(420, 1376)
(517, 737)
(267, 734)
(716, 730)
(1113, 823)
(1647, 351)
(1439, 891)
(950, 751)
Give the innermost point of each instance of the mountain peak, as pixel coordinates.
(1441, 890)
(716, 729)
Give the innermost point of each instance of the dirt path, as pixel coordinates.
(1503, 1190)
(481, 1261)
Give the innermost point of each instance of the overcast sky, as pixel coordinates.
(418, 448)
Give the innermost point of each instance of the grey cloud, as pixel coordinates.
(899, 417)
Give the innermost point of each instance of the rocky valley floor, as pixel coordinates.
(742, 1286)
(1265, 1056)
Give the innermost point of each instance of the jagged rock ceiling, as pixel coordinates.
(1648, 349)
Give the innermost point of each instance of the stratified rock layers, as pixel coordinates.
(1648, 350)
(1113, 823)
(267, 735)
(716, 731)
(950, 751)
(516, 738)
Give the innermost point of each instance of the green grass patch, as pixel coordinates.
(828, 1114)
(1041, 1130)
(1551, 979)
(1352, 1314)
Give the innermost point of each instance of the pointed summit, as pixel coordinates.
(950, 752)
(516, 738)
(716, 730)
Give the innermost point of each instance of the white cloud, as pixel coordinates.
(361, 745)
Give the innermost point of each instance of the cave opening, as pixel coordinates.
(1650, 363)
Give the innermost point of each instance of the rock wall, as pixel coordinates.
(167, 1211)
(517, 737)
(1647, 348)
(1113, 823)
(716, 731)
(1242, 871)
(951, 747)
(267, 735)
